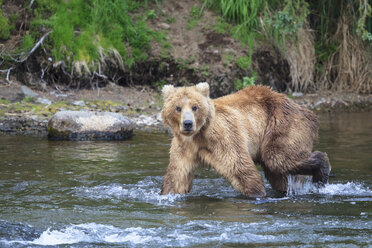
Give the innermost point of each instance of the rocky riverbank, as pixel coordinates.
(25, 111)
(37, 125)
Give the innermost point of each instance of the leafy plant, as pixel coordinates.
(160, 84)
(285, 23)
(4, 27)
(244, 62)
(247, 81)
(195, 12)
(151, 14)
(365, 11)
(204, 69)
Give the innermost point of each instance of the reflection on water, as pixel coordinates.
(97, 194)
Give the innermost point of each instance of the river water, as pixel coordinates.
(106, 194)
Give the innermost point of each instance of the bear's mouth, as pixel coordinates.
(187, 132)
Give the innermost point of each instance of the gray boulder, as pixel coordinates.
(44, 101)
(84, 125)
(28, 92)
(80, 103)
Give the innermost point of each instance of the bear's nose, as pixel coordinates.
(187, 125)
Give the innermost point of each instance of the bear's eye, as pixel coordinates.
(194, 108)
(178, 109)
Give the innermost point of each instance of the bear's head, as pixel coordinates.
(187, 110)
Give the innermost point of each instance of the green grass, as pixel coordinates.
(28, 99)
(83, 31)
(204, 70)
(221, 27)
(27, 105)
(249, 20)
(195, 14)
(170, 20)
(4, 26)
(244, 62)
(5, 102)
(151, 15)
(160, 84)
(192, 24)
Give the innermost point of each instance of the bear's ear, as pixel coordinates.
(167, 91)
(203, 88)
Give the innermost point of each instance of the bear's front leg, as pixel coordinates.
(180, 172)
(239, 169)
(177, 180)
(248, 180)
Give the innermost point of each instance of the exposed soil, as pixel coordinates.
(272, 68)
(199, 52)
(141, 99)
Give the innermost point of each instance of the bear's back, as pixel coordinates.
(252, 97)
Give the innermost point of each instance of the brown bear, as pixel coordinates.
(233, 132)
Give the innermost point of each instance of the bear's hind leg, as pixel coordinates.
(277, 167)
(317, 165)
(278, 182)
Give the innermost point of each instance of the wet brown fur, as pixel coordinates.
(233, 132)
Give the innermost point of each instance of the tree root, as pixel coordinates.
(18, 61)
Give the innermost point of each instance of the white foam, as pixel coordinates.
(303, 186)
(177, 235)
(135, 235)
(147, 190)
(70, 235)
(92, 232)
(346, 189)
(196, 233)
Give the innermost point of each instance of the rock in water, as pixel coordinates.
(84, 125)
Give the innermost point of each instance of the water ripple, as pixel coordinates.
(199, 232)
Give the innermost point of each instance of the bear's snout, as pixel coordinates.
(187, 125)
(188, 122)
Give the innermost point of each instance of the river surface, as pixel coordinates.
(106, 194)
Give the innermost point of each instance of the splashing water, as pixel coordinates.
(153, 237)
(302, 185)
(147, 190)
(299, 185)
